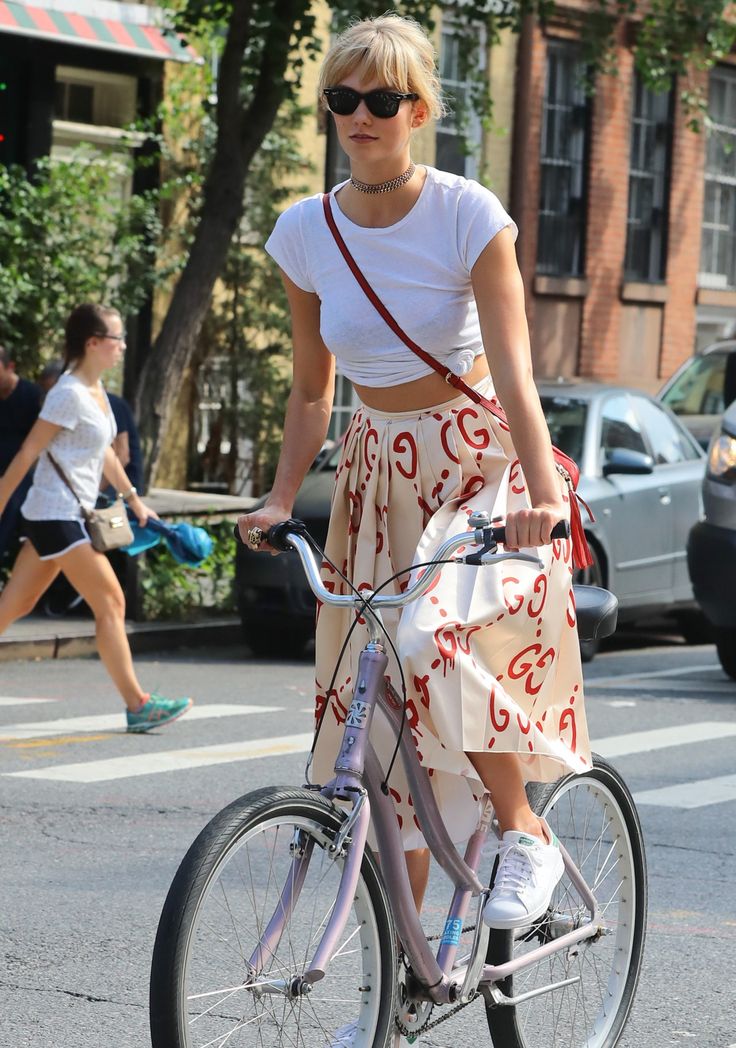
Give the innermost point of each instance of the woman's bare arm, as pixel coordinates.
(307, 412)
(499, 292)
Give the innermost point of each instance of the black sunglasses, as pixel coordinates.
(381, 103)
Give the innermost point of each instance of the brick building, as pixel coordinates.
(627, 217)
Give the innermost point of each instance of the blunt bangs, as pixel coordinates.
(394, 51)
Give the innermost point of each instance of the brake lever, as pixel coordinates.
(486, 556)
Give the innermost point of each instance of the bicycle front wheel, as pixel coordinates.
(225, 893)
(594, 816)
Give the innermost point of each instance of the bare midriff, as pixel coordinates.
(426, 392)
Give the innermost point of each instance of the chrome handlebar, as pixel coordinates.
(482, 534)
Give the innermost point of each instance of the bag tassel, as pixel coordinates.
(581, 555)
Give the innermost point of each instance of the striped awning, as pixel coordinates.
(104, 34)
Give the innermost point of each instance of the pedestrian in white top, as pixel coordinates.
(76, 425)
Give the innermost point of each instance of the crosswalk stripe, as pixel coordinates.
(202, 756)
(16, 700)
(170, 760)
(691, 794)
(704, 685)
(662, 738)
(678, 671)
(115, 722)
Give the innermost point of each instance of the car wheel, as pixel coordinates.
(590, 576)
(726, 648)
(695, 628)
(285, 640)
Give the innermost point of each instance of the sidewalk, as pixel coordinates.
(40, 637)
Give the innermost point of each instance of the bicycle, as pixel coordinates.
(279, 925)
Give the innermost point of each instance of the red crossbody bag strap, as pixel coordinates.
(581, 553)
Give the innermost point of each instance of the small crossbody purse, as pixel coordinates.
(108, 528)
(565, 465)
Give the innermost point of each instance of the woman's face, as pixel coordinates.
(368, 139)
(108, 350)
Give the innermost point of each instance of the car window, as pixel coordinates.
(620, 427)
(668, 443)
(566, 420)
(699, 389)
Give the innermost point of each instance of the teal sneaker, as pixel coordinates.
(157, 712)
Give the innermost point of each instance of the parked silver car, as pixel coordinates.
(702, 388)
(641, 474)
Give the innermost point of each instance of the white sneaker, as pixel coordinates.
(528, 872)
(346, 1036)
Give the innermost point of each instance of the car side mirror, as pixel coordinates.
(624, 460)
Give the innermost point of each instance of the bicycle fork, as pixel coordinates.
(350, 839)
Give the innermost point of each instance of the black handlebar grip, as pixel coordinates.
(561, 530)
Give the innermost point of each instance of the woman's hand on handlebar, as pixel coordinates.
(533, 527)
(264, 519)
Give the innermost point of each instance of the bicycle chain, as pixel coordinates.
(430, 1026)
(406, 1032)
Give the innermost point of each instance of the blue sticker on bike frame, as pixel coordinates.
(453, 930)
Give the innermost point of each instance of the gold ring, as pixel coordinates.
(255, 537)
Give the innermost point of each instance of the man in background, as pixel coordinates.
(20, 403)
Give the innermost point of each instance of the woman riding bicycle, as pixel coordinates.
(491, 659)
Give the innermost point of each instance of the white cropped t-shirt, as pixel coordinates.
(419, 267)
(79, 448)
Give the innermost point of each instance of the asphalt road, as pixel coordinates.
(93, 823)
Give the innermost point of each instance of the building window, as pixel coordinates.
(343, 407)
(718, 247)
(565, 133)
(651, 148)
(451, 141)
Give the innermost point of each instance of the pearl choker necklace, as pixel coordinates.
(383, 187)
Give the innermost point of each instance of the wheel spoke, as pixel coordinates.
(593, 817)
(223, 1001)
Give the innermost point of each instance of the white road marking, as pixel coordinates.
(663, 738)
(691, 794)
(16, 700)
(171, 760)
(645, 687)
(679, 671)
(115, 722)
(620, 704)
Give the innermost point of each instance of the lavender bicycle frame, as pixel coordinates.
(358, 778)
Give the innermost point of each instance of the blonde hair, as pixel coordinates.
(392, 49)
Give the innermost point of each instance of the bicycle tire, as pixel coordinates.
(593, 1012)
(204, 937)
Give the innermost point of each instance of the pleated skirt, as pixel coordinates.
(490, 655)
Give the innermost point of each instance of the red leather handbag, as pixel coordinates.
(565, 465)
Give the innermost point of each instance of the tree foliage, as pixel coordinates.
(265, 44)
(67, 236)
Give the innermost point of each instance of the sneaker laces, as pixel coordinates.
(515, 868)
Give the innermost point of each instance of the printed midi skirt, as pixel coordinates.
(490, 655)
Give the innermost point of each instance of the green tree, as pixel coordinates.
(265, 46)
(66, 236)
(247, 326)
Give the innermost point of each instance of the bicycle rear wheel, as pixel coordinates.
(595, 818)
(226, 891)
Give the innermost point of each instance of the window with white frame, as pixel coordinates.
(718, 244)
(564, 156)
(455, 144)
(649, 164)
(343, 407)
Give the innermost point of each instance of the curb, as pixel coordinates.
(143, 637)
